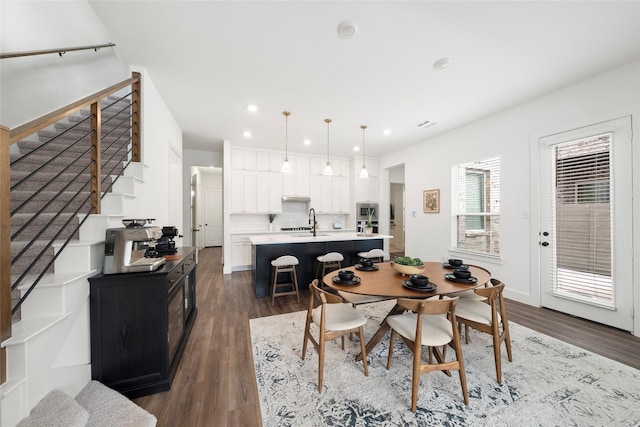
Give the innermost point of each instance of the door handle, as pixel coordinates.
(545, 244)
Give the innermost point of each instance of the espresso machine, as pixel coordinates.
(126, 249)
(165, 244)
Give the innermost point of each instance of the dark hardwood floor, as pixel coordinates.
(215, 382)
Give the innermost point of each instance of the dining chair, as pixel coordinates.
(357, 299)
(431, 323)
(488, 316)
(334, 318)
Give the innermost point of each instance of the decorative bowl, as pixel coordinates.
(408, 269)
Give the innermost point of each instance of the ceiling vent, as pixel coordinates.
(426, 124)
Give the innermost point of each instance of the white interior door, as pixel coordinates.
(213, 223)
(586, 216)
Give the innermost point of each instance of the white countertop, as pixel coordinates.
(304, 237)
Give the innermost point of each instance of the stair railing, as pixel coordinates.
(124, 147)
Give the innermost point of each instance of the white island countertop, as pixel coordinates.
(321, 236)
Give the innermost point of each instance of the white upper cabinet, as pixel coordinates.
(367, 189)
(372, 167)
(269, 162)
(296, 182)
(243, 192)
(340, 167)
(243, 159)
(269, 192)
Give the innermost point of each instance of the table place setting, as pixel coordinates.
(420, 283)
(453, 263)
(366, 265)
(346, 278)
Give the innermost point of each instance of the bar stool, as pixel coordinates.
(328, 262)
(284, 264)
(377, 255)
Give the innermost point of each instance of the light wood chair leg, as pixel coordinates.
(392, 340)
(363, 350)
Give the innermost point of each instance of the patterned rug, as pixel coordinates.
(549, 382)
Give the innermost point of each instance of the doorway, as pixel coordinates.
(208, 223)
(586, 215)
(396, 214)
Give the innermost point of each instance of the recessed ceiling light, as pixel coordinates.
(441, 64)
(246, 134)
(347, 29)
(307, 142)
(252, 108)
(356, 148)
(386, 132)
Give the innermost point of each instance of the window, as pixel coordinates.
(476, 221)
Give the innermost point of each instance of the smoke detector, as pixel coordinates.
(347, 29)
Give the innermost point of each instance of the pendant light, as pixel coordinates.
(327, 167)
(286, 166)
(364, 173)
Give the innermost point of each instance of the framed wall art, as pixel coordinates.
(431, 201)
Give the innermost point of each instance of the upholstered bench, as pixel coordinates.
(95, 405)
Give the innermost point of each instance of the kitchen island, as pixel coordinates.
(306, 247)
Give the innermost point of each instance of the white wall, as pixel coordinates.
(161, 136)
(35, 85)
(513, 134)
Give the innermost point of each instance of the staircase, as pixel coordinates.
(50, 346)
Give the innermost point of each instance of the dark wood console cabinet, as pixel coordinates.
(140, 323)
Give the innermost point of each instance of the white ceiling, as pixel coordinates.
(210, 59)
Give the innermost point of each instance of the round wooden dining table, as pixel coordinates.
(387, 282)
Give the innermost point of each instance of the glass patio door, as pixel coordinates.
(586, 217)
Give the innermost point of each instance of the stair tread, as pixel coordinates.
(50, 280)
(24, 330)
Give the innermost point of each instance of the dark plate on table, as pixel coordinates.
(363, 268)
(430, 287)
(451, 267)
(353, 282)
(470, 281)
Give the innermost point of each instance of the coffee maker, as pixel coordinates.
(165, 244)
(126, 249)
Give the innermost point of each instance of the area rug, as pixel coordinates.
(549, 382)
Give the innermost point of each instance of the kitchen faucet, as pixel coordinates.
(313, 224)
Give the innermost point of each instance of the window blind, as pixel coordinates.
(582, 214)
(476, 221)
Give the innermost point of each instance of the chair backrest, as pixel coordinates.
(429, 306)
(494, 297)
(323, 296)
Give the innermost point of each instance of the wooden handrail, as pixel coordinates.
(60, 51)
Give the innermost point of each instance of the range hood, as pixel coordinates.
(296, 199)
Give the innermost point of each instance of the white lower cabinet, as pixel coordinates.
(240, 251)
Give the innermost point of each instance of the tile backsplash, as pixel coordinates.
(293, 215)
